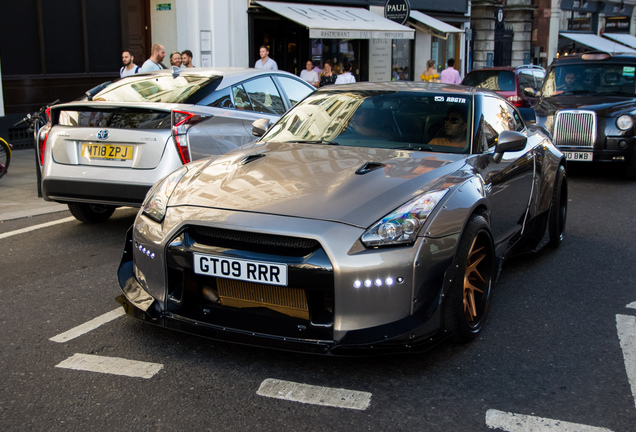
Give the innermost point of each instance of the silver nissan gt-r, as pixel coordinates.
(370, 217)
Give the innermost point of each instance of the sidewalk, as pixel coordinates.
(19, 190)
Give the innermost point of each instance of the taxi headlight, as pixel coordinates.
(403, 225)
(624, 122)
(156, 202)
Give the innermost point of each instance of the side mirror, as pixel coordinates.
(509, 141)
(529, 91)
(260, 126)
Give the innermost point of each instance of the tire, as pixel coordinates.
(558, 209)
(91, 213)
(5, 157)
(468, 299)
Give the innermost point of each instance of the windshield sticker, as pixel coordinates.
(451, 99)
(628, 71)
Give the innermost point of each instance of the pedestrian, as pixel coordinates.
(265, 62)
(129, 67)
(175, 59)
(186, 59)
(154, 62)
(327, 77)
(450, 75)
(310, 74)
(430, 74)
(346, 77)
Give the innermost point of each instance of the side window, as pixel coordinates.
(498, 117)
(296, 91)
(241, 100)
(220, 99)
(264, 96)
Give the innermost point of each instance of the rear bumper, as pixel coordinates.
(94, 192)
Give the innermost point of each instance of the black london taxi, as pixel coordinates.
(588, 103)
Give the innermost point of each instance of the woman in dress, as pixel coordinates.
(430, 74)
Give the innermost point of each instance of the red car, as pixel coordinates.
(519, 85)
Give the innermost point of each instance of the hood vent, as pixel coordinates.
(369, 166)
(251, 158)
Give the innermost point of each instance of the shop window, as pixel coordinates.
(401, 60)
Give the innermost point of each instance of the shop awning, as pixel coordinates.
(433, 23)
(625, 39)
(598, 42)
(339, 22)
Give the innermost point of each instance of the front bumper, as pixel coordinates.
(608, 149)
(266, 328)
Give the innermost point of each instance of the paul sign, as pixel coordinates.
(397, 10)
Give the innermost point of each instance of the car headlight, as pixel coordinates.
(624, 122)
(156, 202)
(402, 225)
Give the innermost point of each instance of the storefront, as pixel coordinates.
(296, 32)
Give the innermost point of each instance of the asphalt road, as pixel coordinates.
(550, 349)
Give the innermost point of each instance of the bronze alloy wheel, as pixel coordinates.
(468, 299)
(477, 280)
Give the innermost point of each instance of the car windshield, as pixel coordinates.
(596, 78)
(158, 88)
(379, 119)
(496, 80)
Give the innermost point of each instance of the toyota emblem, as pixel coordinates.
(102, 134)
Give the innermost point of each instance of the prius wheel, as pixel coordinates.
(91, 213)
(558, 209)
(468, 299)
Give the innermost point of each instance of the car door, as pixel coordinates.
(509, 182)
(231, 126)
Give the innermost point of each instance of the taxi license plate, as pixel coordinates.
(107, 151)
(578, 156)
(240, 269)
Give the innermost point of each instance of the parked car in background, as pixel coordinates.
(108, 148)
(588, 103)
(520, 85)
(370, 217)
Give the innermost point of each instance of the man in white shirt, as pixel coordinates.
(129, 67)
(450, 75)
(265, 62)
(346, 77)
(154, 62)
(310, 74)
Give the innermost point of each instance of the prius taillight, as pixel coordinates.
(181, 122)
(43, 135)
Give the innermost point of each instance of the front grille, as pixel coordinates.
(254, 242)
(286, 300)
(304, 308)
(575, 128)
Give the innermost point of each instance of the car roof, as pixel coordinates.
(580, 58)
(230, 75)
(509, 68)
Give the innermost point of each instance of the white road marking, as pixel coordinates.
(315, 395)
(111, 365)
(88, 326)
(36, 227)
(512, 422)
(626, 326)
(631, 305)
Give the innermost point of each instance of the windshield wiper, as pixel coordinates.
(415, 148)
(314, 142)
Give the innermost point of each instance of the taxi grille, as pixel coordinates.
(239, 294)
(575, 128)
